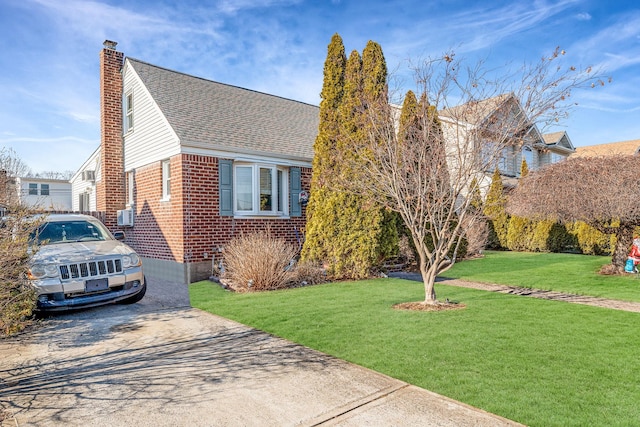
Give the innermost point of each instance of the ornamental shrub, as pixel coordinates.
(495, 210)
(591, 241)
(17, 296)
(258, 261)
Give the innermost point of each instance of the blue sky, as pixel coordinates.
(49, 62)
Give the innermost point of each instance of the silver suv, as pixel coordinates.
(81, 264)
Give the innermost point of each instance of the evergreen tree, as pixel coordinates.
(348, 232)
(495, 209)
(522, 233)
(320, 229)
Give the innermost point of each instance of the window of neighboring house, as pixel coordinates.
(44, 189)
(527, 156)
(33, 189)
(130, 184)
(84, 202)
(166, 180)
(260, 189)
(555, 157)
(128, 112)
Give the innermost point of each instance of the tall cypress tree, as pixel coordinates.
(320, 210)
(495, 209)
(345, 230)
(520, 232)
(408, 117)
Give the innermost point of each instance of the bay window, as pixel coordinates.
(260, 189)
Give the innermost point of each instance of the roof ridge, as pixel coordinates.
(215, 81)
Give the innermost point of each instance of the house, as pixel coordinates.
(83, 184)
(631, 147)
(44, 194)
(481, 122)
(186, 164)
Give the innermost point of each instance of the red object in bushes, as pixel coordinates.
(635, 251)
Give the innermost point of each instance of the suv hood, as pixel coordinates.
(79, 251)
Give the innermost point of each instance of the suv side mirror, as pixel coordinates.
(118, 235)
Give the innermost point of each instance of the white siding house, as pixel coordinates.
(83, 184)
(45, 194)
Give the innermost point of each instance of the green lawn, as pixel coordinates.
(542, 363)
(569, 273)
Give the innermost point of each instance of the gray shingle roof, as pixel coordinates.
(204, 113)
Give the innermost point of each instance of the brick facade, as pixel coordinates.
(110, 189)
(176, 238)
(188, 228)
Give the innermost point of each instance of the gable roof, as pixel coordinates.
(476, 112)
(624, 147)
(208, 114)
(558, 140)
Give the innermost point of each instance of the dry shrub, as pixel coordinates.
(307, 273)
(258, 261)
(477, 235)
(610, 270)
(17, 296)
(406, 251)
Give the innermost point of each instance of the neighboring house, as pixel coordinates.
(44, 194)
(83, 184)
(631, 147)
(461, 123)
(554, 148)
(187, 164)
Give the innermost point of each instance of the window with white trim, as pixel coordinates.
(33, 189)
(166, 180)
(260, 189)
(555, 157)
(527, 156)
(130, 184)
(84, 202)
(44, 189)
(128, 112)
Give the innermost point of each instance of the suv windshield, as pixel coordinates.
(70, 231)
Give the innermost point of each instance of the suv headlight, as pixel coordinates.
(40, 271)
(131, 260)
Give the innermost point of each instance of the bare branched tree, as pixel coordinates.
(12, 164)
(66, 175)
(17, 296)
(11, 167)
(603, 192)
(465, 126)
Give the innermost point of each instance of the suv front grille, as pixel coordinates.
(90, 268)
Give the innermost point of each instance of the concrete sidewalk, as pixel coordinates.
(155, 365)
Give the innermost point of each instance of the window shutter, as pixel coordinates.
(225, 169)
(295, 186)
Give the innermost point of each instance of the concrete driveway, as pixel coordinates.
(162, 363)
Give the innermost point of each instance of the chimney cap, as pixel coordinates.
(108, 44)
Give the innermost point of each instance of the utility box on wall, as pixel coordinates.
(125, 218)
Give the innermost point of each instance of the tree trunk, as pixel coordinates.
(428, 278)
(624, 239)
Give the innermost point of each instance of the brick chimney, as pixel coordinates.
(110, 189)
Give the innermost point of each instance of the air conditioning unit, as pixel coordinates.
(88, 175)
(125, 218)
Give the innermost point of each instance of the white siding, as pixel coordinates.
(152, 138)
(58, 199)
(81, 185)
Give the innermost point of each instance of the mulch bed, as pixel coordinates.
(421, 306)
